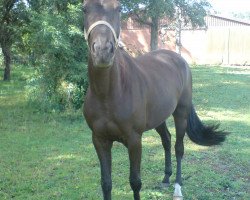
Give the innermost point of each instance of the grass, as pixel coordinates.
(51, 156)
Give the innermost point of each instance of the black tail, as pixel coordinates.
(202, 134)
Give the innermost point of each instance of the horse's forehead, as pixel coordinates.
(104, 3)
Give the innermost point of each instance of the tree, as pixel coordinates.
(12, 17)
(241, 15)
(150, 12)
(59, 53)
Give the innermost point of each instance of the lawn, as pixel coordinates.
(51, 156)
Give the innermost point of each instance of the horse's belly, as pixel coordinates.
(159, 112)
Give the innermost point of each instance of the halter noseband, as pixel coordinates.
(101, 22)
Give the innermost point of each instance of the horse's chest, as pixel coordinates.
(105, 121)
(106, 127)
(114, 120)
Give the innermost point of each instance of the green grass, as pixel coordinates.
(51, 156)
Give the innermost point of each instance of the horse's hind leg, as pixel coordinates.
(180, 119)
(180, 126)
(166, 142)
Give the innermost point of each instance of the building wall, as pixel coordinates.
(229, 45)
(215, 45)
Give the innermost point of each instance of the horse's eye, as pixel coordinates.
(84, 9)
(119, 9)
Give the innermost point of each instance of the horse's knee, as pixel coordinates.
(106, 186)
(136, 184)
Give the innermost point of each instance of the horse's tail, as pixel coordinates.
(202, 134)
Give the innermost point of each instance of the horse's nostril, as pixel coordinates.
(110, 47)
(94, 47)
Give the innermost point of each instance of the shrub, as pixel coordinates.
(60, 57)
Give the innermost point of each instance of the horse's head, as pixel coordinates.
(102, 30)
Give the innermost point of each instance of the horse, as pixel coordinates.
(128, 96)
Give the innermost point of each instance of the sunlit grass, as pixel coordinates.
(51, 156)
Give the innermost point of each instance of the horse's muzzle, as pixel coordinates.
(102, 54)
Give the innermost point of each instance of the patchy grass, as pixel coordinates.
(51, 156)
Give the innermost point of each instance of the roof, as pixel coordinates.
(227, 21)
(211, 20)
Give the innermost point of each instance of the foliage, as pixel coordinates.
(193, 11)
(241, 15)
(145, 10)
(150, 12)
(51, 156)
(13, 15)
(1, 59)
(149, 8)
(59, 54)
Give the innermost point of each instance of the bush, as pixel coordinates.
(60, 56)
(1, 60)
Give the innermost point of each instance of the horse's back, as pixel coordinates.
(168, 58)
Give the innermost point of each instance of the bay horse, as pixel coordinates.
(128, 96)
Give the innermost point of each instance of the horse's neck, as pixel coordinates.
(105, 82)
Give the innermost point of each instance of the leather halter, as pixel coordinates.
(101, 22)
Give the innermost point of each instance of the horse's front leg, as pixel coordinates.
(134, 150)
(103, 149)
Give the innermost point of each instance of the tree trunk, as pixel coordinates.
(178, 32)
(7, 61)
(154, 33)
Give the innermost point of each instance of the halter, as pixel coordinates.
(101, 22)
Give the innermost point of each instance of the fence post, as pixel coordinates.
(228, 47)
(178, 31)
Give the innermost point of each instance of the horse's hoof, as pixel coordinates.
(166, 180)
(178, 198)
(165, 185)
(177, 192)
